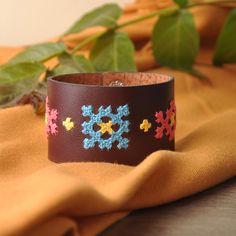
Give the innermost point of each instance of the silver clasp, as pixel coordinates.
(116, 83)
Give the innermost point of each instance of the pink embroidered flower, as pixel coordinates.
(167, 124)
(50, 119)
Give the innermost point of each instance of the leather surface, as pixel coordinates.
(68, 93)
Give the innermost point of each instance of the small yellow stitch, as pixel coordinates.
(145, 125)
(172, 119)
(68, 124)
(106, 127)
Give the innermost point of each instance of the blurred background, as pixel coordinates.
(32, 21)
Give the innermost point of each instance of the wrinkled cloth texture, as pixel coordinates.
(39, 197)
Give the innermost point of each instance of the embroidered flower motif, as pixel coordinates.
(68, 124)
(106, 127)
(50, 119)
(96, 119)
(145, 125)
(167, 124)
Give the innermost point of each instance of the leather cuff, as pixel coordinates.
(109, 117)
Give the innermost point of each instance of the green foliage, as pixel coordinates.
(113, 51)
(175, 40)
(11, 74)
(175, 43)
(16, 79)
(106, 15)
(39, 53)
(225, 51)
(70, 64)
(182, 3)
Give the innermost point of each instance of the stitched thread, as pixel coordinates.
(167, 124)
(68, 124)
(96, 136)
(145, 125)
(51, 116)
(106, 127)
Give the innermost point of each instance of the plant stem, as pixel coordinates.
(86, 41)
(135, 20)
(166, 11)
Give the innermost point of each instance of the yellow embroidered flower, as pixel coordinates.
(106, 127)
(68, 124)
(145, 125)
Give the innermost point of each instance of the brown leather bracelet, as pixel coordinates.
(109, 117)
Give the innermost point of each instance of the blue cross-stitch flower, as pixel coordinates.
(96, 136)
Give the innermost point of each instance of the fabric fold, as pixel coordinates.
(41, 197)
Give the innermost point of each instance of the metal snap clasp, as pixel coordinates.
(116, 83)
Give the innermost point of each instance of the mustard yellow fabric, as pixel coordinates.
(39, 197)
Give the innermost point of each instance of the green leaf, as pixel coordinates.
(62, 70)
(11, 74)
(105, 15)
(15, 79)
(39, 53)
(83, 64)
(78, 61)
(7, 93)
(73, 64)
(225, 51)
(175, 40)
(182, 3)
(113, 51)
